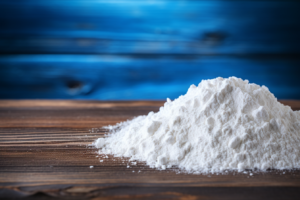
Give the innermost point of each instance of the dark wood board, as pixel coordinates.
(44, 153)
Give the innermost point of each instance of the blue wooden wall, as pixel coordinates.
(150, 49)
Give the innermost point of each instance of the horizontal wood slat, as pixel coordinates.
(158, 26)
(126, 77)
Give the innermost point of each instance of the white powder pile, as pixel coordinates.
(223, 124)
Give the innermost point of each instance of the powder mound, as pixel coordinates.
(223, 124)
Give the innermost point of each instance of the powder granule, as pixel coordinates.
(223, 124)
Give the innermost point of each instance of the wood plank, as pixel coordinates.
(75, 114)
(128, 77)
(83, 104)
(159, 26)
(48, 155)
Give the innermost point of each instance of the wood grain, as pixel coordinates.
(131, 77)
(62, 50)
(45, 153)
(159, 26)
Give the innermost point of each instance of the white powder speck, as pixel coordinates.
(91, 166)
(223, 124)
(101, 160)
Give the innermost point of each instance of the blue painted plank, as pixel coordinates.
(156, 26)
(120, 77)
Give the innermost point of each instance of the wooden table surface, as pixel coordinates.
(44, 153)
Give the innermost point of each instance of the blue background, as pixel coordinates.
(150, 49)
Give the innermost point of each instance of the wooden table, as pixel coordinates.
(44, 153)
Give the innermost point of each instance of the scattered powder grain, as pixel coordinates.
(223, 124)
